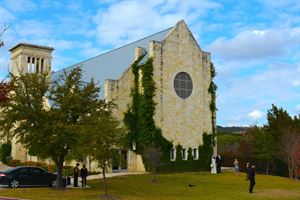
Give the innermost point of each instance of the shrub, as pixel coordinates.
(51, 168)
(5, 151)
(14, 163)
(178, 153)
(190, 154)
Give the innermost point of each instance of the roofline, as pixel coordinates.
(32, 45)
(77, 64)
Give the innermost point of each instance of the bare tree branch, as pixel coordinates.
(4, 28)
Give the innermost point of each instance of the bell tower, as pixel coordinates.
(30, 58)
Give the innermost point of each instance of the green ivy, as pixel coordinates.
(212, 90)
(139, 117)
(190, 154)
(178, 153)
(206, 149)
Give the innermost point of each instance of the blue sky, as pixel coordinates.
(255, 45)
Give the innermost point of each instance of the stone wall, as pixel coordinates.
(19, 58)
(181, 120)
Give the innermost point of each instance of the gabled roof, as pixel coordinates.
(110, 65)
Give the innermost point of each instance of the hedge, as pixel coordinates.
(5, 151)
(182, 166)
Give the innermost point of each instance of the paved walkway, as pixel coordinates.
(99, 176)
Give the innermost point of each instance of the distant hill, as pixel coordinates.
(231, 129)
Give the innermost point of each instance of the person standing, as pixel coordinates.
(251, 176)
(219, 163)
(236, 166)
(76, 173)
(83, 174)
(247, 171)
(213, 165)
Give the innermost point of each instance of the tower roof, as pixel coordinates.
(32, 46)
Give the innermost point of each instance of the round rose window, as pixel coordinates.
(183, 85)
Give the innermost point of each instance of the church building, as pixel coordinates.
(182, 76)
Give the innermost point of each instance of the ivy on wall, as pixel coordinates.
(212, 90)
(138, 119)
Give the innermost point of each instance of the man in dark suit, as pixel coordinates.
(219, 161)
(251, 176)
(76, 174)
(83, 174)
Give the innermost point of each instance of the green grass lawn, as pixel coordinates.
(173, 187)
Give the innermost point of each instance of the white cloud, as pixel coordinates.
(255, 114)
(256, 44)
(258, 88)
(127, 21)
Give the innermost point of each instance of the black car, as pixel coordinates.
(27, 176)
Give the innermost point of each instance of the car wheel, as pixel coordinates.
(53, 183)
(14, 183)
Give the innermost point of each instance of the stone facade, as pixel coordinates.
(182, 121)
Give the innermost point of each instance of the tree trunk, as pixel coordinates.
(59, 167)
(104, 178)
(90, 163)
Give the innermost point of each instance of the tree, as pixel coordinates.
(2, 31)
(263, 144)
(107, 137)
(289, 151)
(285, 131)
(55, 129)
(4, 91)
(153, 155)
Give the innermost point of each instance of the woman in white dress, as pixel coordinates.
(213, 165)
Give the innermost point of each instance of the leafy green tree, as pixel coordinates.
(278, 121)
(280, 126)
(55, 129)
(263, 145)
(107, 136)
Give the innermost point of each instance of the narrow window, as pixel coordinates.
(184, 156)
(37, 65)
(42, 65)
(33, 64)
(172, 154)
(195, 153)
(28, 64)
